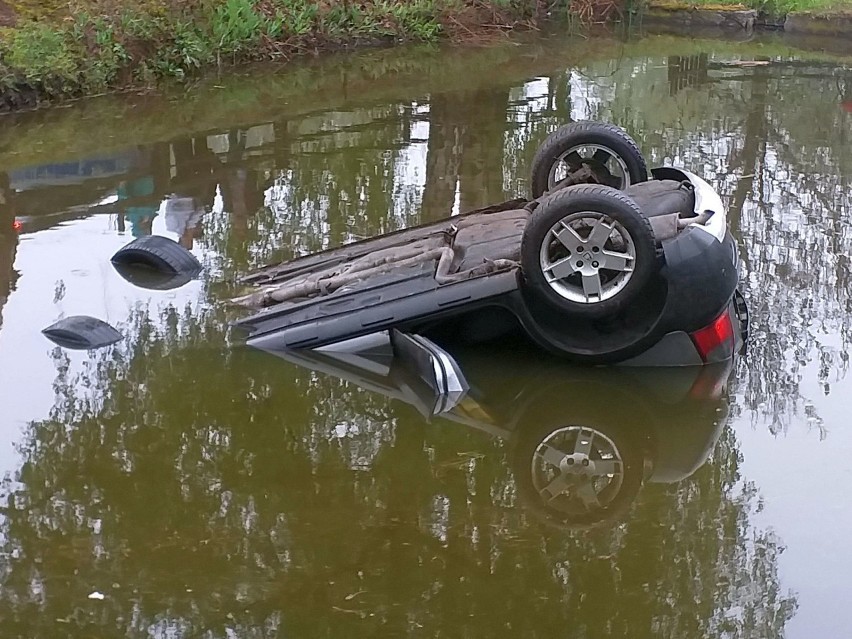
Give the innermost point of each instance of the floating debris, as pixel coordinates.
(81, 332)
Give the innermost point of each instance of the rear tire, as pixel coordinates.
(587, 250)
(566, 145)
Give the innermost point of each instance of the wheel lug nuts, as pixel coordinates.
(585, 462)
(579, 263)
(595, 264)
(569, 461)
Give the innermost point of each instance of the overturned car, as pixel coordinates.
(603, 264)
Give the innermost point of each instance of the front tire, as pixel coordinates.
(587, 250)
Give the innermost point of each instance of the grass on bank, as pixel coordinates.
(55, 49)
(771, 8)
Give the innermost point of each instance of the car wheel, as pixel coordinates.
(587, 250)
(611, 156)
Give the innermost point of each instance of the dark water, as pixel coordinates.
(206, 490)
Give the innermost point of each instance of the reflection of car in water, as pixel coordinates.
(583, 440)
(602, 265)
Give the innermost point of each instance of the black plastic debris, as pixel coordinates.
(81, 332)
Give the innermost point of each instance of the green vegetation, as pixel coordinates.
(53, 50)
(50, 50)
(772, 8)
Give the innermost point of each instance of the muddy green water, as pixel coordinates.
(178, 485)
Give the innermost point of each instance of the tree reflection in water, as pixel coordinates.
(221, 491)
(8, 242)
(770, 133)
(208, 491)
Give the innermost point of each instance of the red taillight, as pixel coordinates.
(713, 336)
(17, 225)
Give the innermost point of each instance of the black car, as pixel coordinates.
(603, 264)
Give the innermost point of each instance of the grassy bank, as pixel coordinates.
(51, 49)
(771, 8)
(274, 94)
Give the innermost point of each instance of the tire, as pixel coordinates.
(158, 253)
(595, 137)
(81, 332)
(611, 268)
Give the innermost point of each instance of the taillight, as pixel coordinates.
(17, 225)
(715, 341)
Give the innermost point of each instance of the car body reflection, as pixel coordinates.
(583, 440)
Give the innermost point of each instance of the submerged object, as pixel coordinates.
(81, 332)
(602, 265)
(156, 263)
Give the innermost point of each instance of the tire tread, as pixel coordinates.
(159, 253)
(556, 142)
(530, 246)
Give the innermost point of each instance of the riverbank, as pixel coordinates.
(51, 50)
(282, 92)
(817, 17)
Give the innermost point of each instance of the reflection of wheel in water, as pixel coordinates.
(577, 470)
(578, 476)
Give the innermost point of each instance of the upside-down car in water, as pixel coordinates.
(603, 264)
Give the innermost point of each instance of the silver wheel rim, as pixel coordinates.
(593, 154)
(577, 470)
(587, 257)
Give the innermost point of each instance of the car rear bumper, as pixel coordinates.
(706, 317)
(701, 274)
(679, 348)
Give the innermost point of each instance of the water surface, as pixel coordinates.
(208, 490)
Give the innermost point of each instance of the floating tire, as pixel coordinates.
(157, 253)
(588, 251)
(613, 156)
(81, 332)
